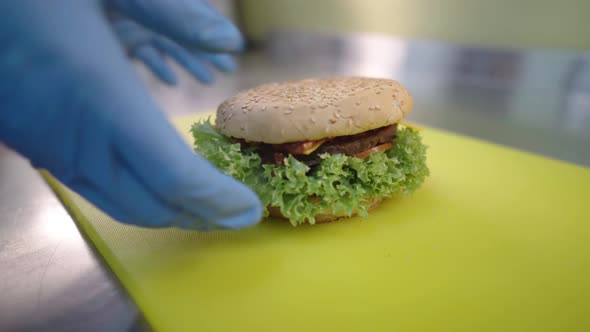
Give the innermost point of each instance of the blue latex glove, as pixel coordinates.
(151, 48)
(72, 103)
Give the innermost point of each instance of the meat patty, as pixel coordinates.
(351, 145)
(347, 145)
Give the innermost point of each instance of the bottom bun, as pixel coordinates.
(326, 216)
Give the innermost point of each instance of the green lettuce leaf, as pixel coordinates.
(339, 184)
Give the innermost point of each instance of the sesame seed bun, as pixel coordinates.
(312, 109)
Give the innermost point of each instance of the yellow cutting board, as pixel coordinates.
(496, 240)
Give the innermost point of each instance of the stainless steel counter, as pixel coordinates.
(534, 100)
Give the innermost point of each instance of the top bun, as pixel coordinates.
(312, 109)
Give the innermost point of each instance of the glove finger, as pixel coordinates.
(132, 35)
(194, 63)
(127, 204)
(161, 159)
(128, 201)
(223, 62)
(194, 24)
(188, 182)
(137, 39)
(152, 58)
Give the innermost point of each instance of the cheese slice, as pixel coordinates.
(311, 146)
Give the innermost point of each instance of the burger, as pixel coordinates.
(320, 149)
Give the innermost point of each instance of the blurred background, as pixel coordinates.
(512, 72)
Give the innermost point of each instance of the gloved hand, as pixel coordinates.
(150, 48)
(72, 103)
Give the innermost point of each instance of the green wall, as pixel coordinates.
(541, 23)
